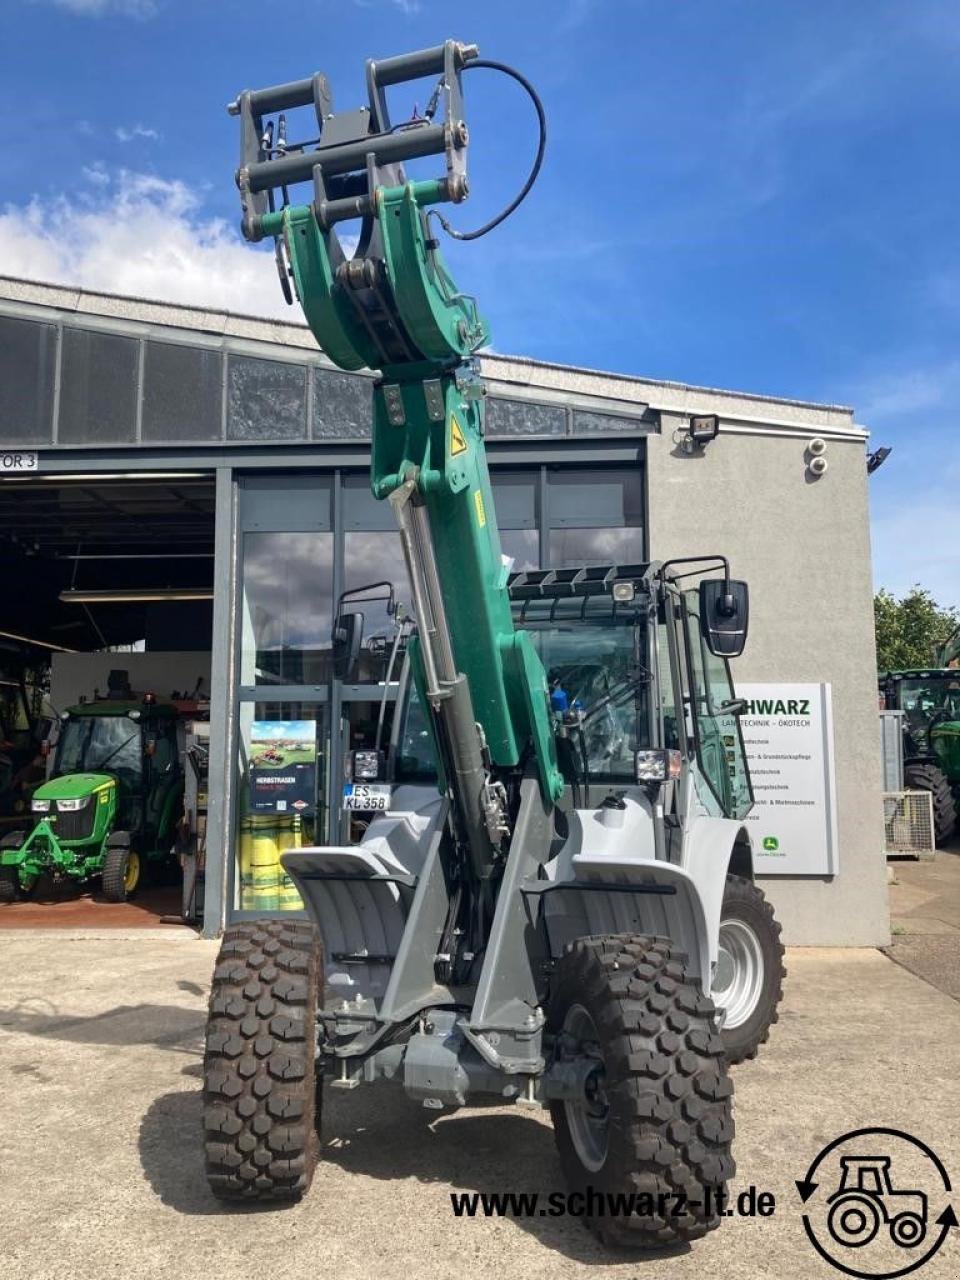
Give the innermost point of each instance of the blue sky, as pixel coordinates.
(755, 194)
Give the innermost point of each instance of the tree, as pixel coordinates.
(911, 631)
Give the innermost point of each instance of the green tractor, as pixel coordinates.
(930, 702)
(110, 806)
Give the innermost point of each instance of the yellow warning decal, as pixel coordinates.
(458, 441)
(478, 503)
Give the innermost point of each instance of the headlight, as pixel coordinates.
(657, 766)
(40, 806)
(71, 806)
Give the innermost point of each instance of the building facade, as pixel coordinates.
(219, 462)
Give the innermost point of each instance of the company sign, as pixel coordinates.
(788, 735)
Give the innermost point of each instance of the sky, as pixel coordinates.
(754, 194)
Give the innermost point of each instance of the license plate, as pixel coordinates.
(366, 796)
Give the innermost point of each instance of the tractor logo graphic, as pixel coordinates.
(771, 844)
(865, 1200)
(879, 1215)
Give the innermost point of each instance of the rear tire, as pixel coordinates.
(9, 884)
(659, 1121)
(748, 984)
(122, 872)
(930, 777)
(261, 1093)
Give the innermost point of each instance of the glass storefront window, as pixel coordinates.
(596, 517)
(523, 547)
(368, 558)
(287, 608)
(281, 797)
(590, 547)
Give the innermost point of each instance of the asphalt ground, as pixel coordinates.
(100, 1152)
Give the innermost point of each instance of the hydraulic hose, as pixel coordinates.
(506, 70)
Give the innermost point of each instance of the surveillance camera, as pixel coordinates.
(817, 446)
(818, 466)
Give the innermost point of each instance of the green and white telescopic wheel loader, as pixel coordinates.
(563, 875)
(109, 808)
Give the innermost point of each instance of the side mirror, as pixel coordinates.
(724, 616)
(347, 638)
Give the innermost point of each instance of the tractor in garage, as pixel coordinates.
(110, 806)
(538, 921)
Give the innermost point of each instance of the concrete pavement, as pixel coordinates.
(100, 1160)
(925, 918)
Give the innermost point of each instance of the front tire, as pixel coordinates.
(122, 872)
(656, 1122)
(261, 1093)
(748, 983)
(929, 777)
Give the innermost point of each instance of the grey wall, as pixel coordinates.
(803, 545)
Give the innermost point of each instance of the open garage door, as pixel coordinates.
(105, 638)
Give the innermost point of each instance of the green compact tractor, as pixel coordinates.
(110, 806)
(930, 702)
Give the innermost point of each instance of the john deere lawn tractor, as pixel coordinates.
(930, 702)
(110, 806)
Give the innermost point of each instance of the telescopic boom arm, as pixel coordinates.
(393, 307)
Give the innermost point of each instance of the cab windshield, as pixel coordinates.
(595, 663)
(90, 744)
(926, 698)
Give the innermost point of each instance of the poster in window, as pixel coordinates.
(283, 766)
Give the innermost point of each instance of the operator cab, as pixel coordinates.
(633, 684)
(134, 741)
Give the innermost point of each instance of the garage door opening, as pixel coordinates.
(105, 641)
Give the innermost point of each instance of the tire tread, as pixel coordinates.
(260, 1095)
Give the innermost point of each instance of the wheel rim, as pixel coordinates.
(854, 1222)
(131, 872)
(588, 1120)
(738, 981)
(907, 1230)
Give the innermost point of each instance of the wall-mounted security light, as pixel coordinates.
(701, 429)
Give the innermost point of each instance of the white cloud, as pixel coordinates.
(136, 131)
(100, 8)
(143, 236)
(96, 174)
(906, 394)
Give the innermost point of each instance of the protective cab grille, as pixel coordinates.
(78, 824)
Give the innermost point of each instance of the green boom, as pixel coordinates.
(428, 416)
